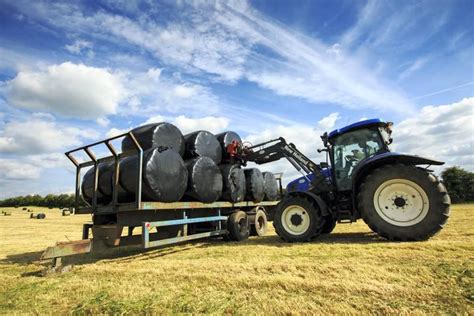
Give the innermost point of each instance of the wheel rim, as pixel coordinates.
(401, 202)
(295, 220)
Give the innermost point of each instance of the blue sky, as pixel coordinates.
(74, 72)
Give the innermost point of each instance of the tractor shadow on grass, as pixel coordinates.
(333, 238)
(134, 253)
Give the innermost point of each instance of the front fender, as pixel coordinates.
(319, 201)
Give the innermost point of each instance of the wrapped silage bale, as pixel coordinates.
(254, 185)
(225, 139)
(202, 144)
(204, 180)
(234, 183)
(155, 135)
(164, 176)
(104, 184)
(270, 186)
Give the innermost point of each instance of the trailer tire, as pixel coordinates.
(329, 224)
(238, 226)
(297, 219)
(403, 203)
(258, 223)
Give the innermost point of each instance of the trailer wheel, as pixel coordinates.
(238, 226)
(258, 223)
(329, 224)
(297, 219)
(401, 202)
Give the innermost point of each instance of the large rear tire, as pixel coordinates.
(401, 202)
(297, 219)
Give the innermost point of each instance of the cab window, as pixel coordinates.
(350, 149)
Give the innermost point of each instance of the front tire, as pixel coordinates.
(297, 219)
(401, 202)
(329, 224)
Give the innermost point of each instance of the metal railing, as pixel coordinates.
(114, 157)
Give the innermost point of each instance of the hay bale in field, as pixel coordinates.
(41, 216)
(66, 212)
(24, 209)
(32, 215)
(7, 213)
(29, 210)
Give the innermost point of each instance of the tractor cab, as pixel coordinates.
(353, 144)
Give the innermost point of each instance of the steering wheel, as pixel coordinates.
(350, 158)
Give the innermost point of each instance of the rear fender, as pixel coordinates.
(317, 199)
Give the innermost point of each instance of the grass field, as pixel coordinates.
(349, 271)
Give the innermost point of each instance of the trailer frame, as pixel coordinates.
(109, 220)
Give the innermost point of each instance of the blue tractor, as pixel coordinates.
(395, 194)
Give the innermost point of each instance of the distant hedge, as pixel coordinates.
(50, 200)
(460, 184)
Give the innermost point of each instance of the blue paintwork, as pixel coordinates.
(355, 126)
(302, 184)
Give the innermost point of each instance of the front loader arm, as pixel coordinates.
(277, 149)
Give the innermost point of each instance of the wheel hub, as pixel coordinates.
(295, 220)
(401, 202)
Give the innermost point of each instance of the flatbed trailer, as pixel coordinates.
(161, 223)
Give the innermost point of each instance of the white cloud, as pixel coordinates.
(103, 121)
(114, 132)
(73, 90)
(443, 132)
(14, 169)
(79, 46)
(328, 122)
(226, 41)
(413, 67)
(39, 135)
(152, 92)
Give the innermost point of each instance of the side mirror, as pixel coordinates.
(324, 164)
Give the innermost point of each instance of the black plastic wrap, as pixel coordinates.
(225, 139)
(165, 176)
(104, 185)
(202, 144)
(204, 180)
(156, 135)
(254, 185)
(234, 183)
(270, 186)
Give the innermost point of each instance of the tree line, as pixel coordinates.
(459, 182)
(50, 200)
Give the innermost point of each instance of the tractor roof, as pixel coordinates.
(357, 125)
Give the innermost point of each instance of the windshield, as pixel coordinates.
(350, 149)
